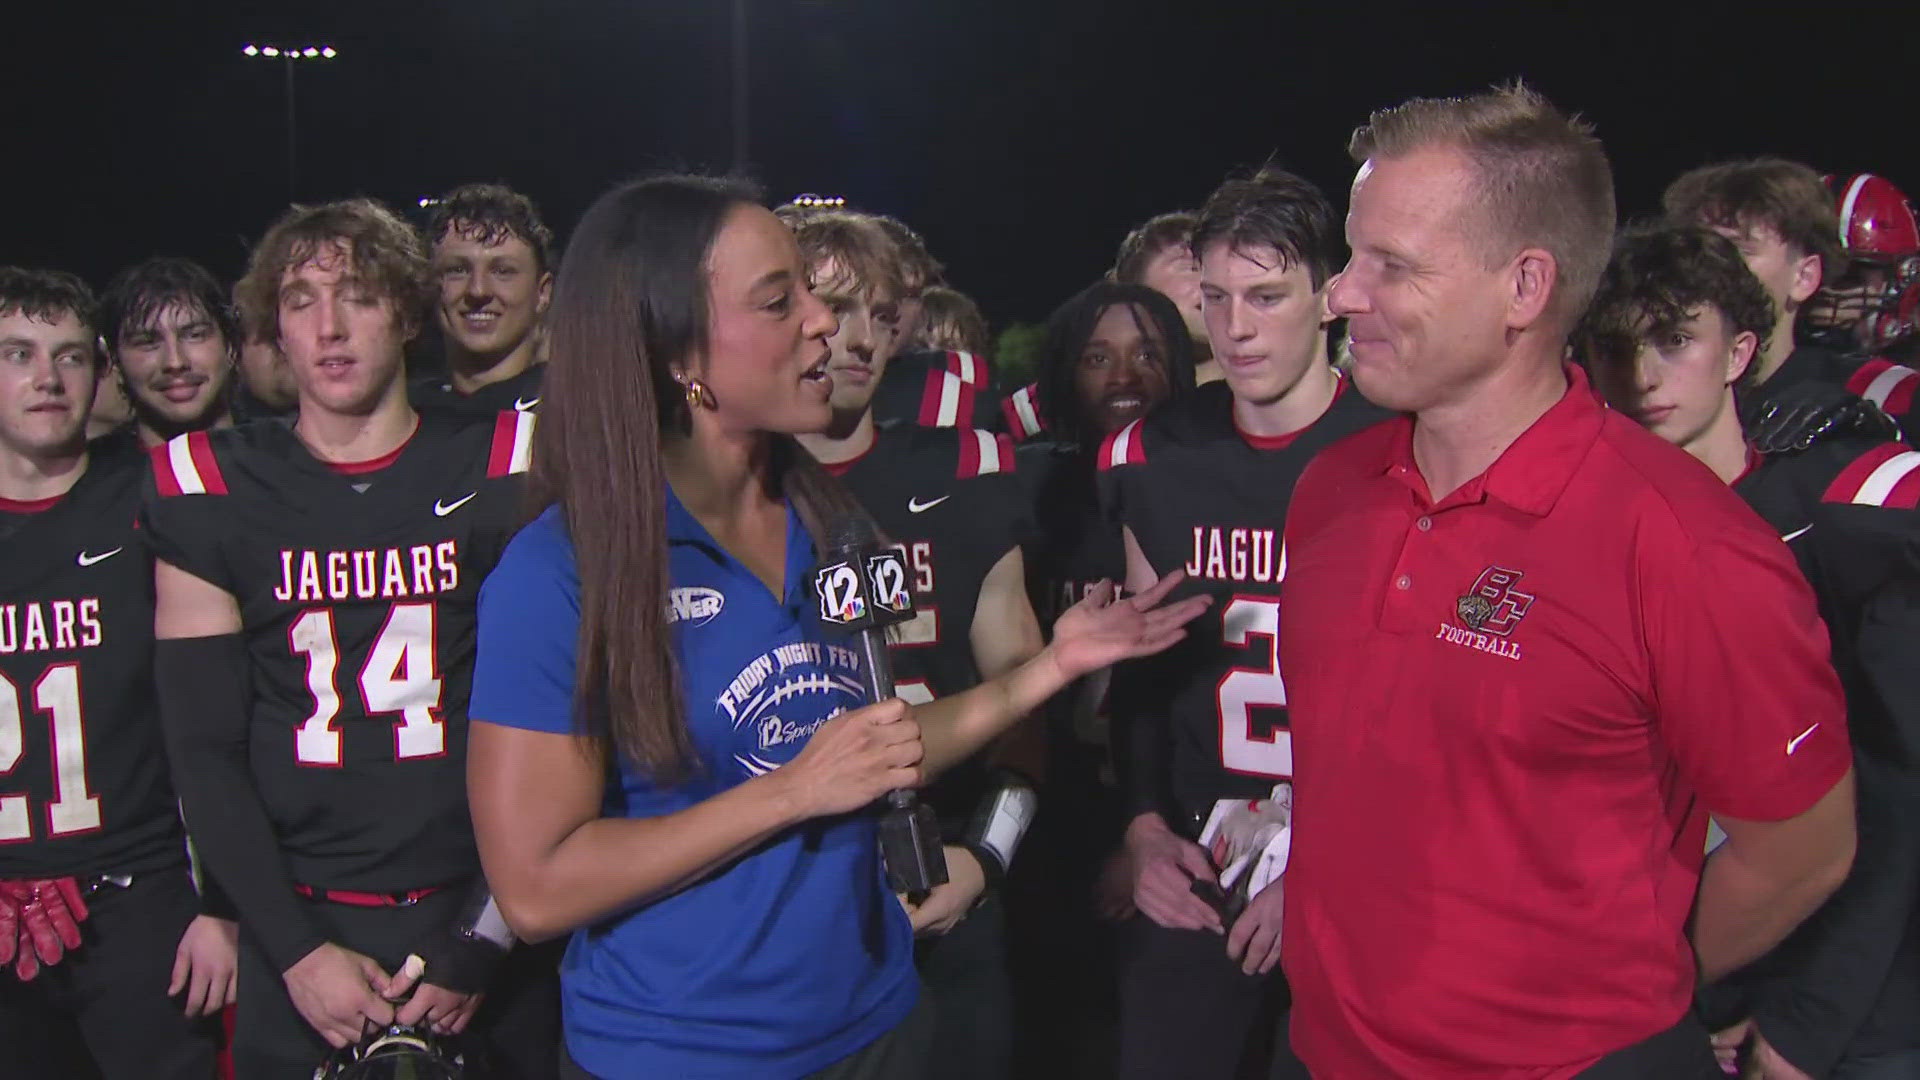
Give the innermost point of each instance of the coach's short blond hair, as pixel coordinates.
(1541, 177)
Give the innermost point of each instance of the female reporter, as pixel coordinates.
(669, 756)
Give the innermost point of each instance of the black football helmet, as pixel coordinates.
(397, 1053)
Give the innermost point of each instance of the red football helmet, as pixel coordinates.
(1879, 295)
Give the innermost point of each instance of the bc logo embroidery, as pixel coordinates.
(1494, 605)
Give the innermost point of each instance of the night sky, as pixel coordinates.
(1021, 138)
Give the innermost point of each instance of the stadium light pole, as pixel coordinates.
(291, 56)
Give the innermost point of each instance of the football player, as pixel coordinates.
(951, 322)
(925, 385)
(1159, 254)
(493, 260)
(1782, 218)
(1673, 331)
(173, 341)
(315, 590)
(99, 920)
(918, 270)
(1204, 485)
(1112, 354)
(949, 499)
(1874, 306)
(112, 412)
(266, 388)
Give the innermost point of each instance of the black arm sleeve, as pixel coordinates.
(204, 717)
(1841, 955)
(463, 956)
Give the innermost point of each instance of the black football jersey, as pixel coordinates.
(949, 499)
(83, 777)
(1208, 717)
(357, 598)
(1075, 546)
(937, 389)
(1883, 381)
(518, 394)
(1847, 509)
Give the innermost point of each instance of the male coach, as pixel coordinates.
(1529, 648)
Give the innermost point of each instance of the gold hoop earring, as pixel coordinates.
(698, 395)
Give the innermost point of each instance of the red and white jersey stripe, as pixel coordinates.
(983, 452)
(947, 400)
(1887, 384)
(185, 465)
(512, 444)
(968, 366)
(1123, 447)
(1023, 413)
(1884, 476)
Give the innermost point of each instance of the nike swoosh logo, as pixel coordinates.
(85, 559)
(915, 506)
(442, 509)
(521, 404)
(1794, 533)
(1794, 743)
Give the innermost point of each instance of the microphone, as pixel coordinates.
(863, 590)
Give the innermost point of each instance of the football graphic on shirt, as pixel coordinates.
(781, 697)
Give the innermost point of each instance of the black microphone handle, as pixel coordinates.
(877, 664)
(910, 840)
(878, 668)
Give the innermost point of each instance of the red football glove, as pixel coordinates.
(66, 909)
(11, 893)
(49, 925)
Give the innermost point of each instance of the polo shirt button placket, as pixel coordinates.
(1425, 524)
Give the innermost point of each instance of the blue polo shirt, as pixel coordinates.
(789, 959)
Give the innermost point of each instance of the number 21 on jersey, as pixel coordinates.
(1253, 623)
(74, 809)
(401, 676)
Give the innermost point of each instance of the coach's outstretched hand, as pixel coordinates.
(1100, 630)
(853, 759)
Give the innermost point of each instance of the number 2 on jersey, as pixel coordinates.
(401, 676)
(1253, 621)
(74, 808)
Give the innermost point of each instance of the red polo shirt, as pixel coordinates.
(1512, 712)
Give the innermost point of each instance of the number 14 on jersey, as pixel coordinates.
(401, 675)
